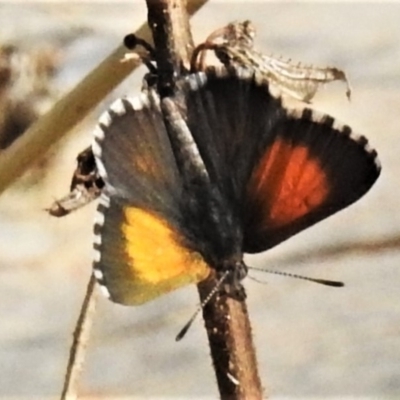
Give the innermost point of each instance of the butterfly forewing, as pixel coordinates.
(285, 170)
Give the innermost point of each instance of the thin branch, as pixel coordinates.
(226, 319)
(66, 113)
(79, 343)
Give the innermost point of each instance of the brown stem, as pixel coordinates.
(169, 23)
(226, 319)
(232, 350)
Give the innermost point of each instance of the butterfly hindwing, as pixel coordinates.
(140, 256)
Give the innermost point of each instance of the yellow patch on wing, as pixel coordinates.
(157, 261)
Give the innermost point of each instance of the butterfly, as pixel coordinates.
(185, 197)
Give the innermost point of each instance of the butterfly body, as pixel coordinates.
(194, 182)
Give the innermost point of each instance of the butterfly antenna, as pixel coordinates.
(257, 280)
(305, 278)
(184, 330)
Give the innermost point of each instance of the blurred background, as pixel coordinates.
(312, 341)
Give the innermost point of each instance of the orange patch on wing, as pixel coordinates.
(287, 184)
(157, 261)
(146, 164)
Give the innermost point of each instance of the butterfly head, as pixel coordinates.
(235, 271)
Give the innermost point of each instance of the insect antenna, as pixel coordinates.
(184, 330)
(325, 282)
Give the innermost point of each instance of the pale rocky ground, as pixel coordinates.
(313, 342)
